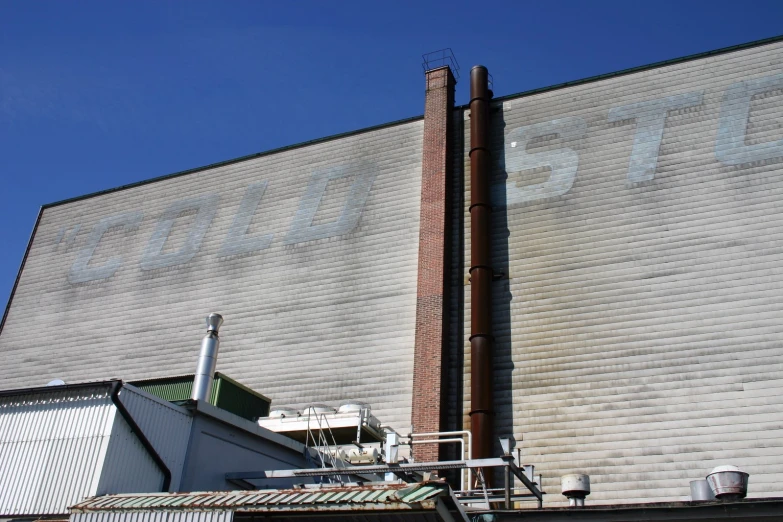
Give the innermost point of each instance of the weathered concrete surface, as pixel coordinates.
(639, 337)
(310, 254)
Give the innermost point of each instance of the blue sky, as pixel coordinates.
(94, 95)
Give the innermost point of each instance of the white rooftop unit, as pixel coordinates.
(351, 422)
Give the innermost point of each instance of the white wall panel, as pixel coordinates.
(129, 467)
(167, 428)
(309, 253)
(639, 336)
(51, 448)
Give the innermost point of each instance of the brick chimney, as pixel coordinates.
(431, 298)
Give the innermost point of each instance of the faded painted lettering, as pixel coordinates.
(154, 258)
(650, 119)
(80, 271)
(237, 241)
(302, 228)
(730, 147)
(562, 162)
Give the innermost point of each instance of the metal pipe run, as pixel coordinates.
(207, 360)
(461, 450)
(482, 411)
(449, 434)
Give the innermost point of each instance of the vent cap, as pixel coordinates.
(352, 406)
(575, 487)
(317, 409)
(281, 412)
(728, 482)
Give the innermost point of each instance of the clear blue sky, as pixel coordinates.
(94, 95)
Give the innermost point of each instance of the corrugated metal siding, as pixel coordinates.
(321, 320)
(639, 338)
(171, 389)
(225, 393)
(155, 516)
(232, 396)
(131, 467)
(166, 426)
(51, 448)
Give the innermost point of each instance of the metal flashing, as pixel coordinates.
(55, 389)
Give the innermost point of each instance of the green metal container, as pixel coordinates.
(227, 394)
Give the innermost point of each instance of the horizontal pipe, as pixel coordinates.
(462, 454)
(446, 434)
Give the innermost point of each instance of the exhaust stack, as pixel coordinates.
(207, 360)
(482, 410)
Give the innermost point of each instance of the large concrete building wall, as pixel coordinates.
(639, 332)
(309, 253)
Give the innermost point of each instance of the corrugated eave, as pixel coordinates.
(260, 499)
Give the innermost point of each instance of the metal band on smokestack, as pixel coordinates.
(207, 360)
(482, 411)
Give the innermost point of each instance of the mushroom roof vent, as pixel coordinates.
(728, 482)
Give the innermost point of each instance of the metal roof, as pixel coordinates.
(434, 500)
(266, 499)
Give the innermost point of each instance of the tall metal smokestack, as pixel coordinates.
(207, 359)
(482, 411)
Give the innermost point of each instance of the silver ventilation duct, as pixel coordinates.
(701, 491)
(207, 359)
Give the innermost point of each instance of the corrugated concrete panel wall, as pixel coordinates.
(167, 428)
(310, 254)
(639, 337)
(52, 447)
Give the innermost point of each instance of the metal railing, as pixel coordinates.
(412, 472)
(441, 58)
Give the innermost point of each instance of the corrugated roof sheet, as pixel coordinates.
(263, 499)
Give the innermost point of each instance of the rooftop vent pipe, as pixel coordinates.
(701, 491)
(207, 360)
(482, 411)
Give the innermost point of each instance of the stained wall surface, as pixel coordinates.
(638, 328)
(309, 253)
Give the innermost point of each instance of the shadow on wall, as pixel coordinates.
(501, 292)
(456, 408)
(455, 357)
